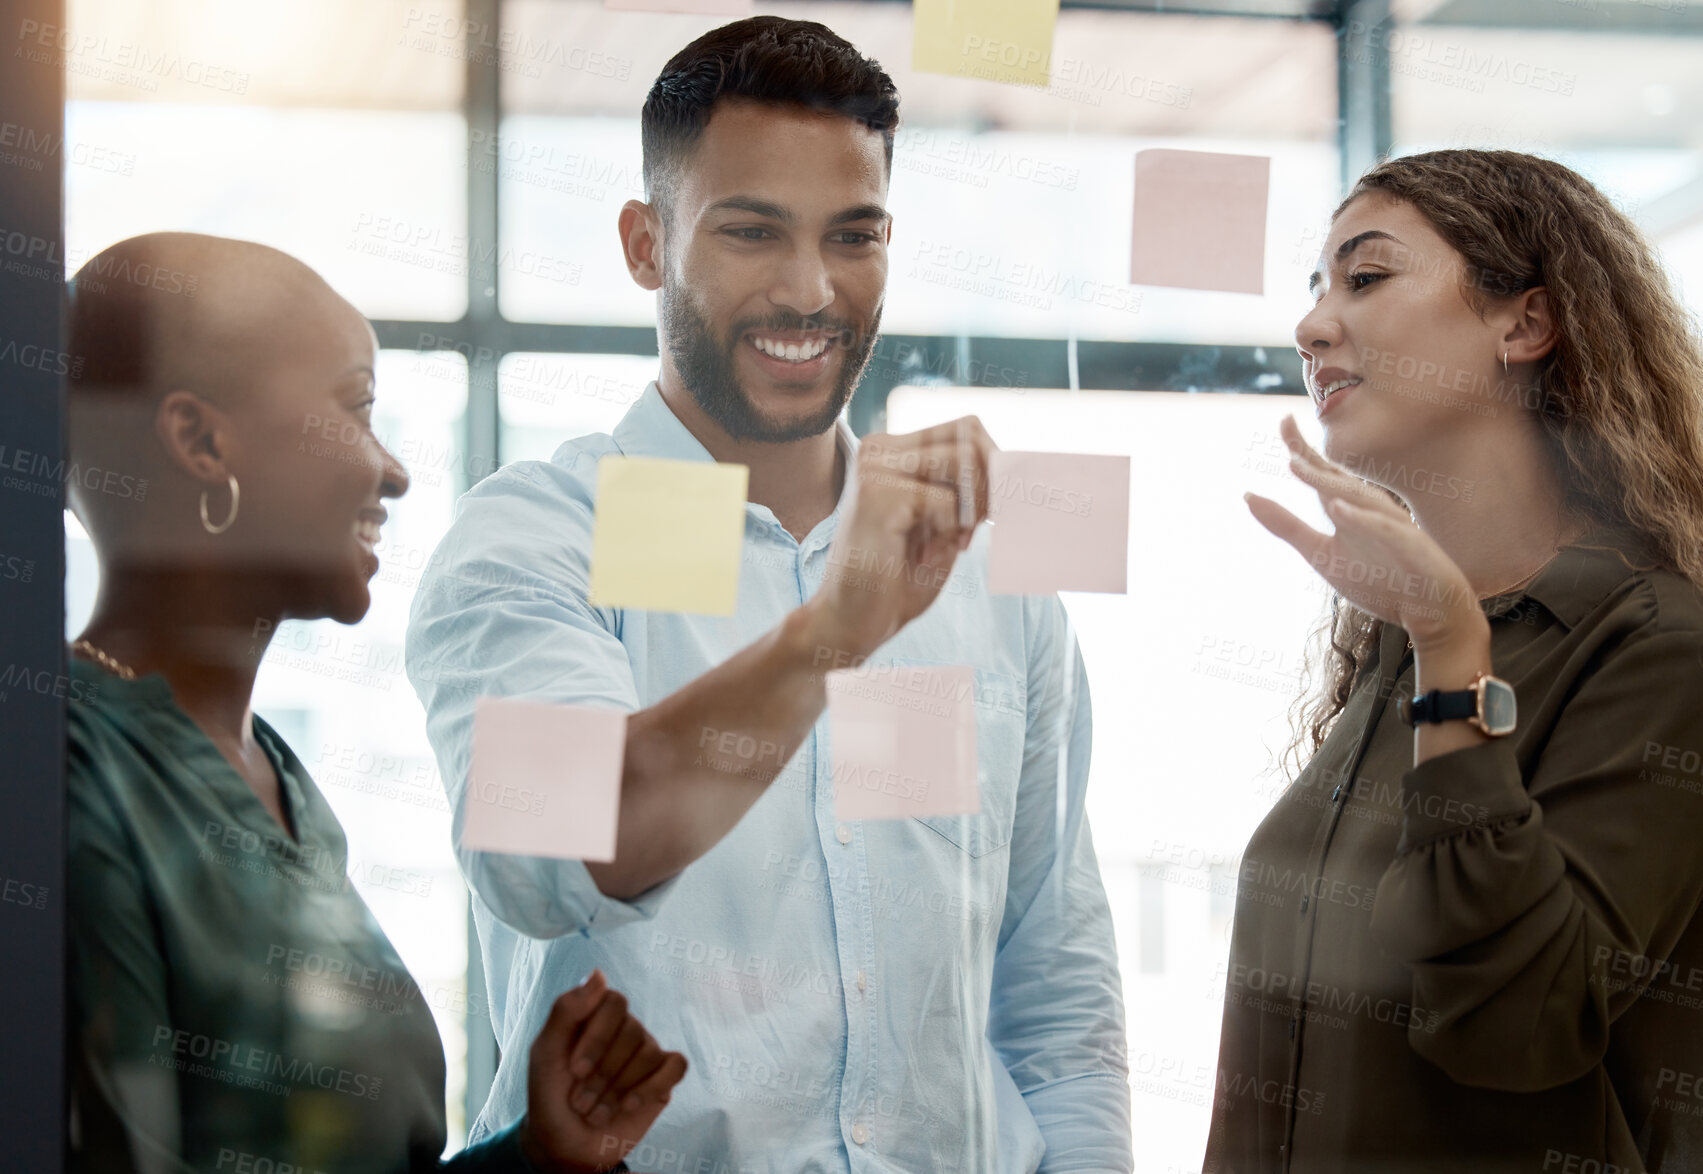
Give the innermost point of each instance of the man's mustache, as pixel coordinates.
(845, 333)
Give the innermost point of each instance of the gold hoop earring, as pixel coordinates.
(1504, 362)
(207, 522)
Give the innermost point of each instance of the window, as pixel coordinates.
(1192, 674)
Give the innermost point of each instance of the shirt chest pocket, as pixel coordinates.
(1001, 709)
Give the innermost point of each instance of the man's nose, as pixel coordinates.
(803, 284)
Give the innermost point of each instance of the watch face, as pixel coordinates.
(1498, 710)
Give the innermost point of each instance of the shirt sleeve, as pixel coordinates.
(502, 611)
(1056, 1019)
(500, 1154)
(127, 1107)
(1525, 907)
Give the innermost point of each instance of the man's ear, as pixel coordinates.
(194, 434)
(1531, 332)
(641, 243)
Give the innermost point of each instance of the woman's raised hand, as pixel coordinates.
(596, 1081)
(1378, 559)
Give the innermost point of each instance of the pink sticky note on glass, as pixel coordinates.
(1200, 220)
(546, 779)
(1060, 523)
(904, 741)
(701, 7)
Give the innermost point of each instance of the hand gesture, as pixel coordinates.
(916, 501)
(596, 1080)
(1378, 559)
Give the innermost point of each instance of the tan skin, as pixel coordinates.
(1389, 285)
(199, 608)
(781, 209)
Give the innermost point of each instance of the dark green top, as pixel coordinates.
(235, 1006)
(1491, 961)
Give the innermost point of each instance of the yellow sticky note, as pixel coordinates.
(996, 40)
(669, 535)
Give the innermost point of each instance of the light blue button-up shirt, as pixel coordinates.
(915, 995)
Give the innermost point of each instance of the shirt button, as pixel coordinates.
(843, 834)
(862, 981)
(860, 1133)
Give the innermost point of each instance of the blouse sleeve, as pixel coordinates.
(126, 1108)
(1515, 901)
(499, 1154)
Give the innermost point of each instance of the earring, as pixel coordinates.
(1504, 362)
(207, 522)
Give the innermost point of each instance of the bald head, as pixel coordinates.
(180, 312)
(184, 310)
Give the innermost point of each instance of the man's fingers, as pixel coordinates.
(599, 1032)
(968, 427)
(957, 454)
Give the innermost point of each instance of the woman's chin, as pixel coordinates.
(349, 602)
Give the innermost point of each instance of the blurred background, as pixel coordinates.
(455, 169)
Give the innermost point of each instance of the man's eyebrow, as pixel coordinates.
(861, 212)
(753, 205)
(1349, 245)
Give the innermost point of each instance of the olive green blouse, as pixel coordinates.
(1490, 961)
(235, 1006)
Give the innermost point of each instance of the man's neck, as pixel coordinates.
(798, 480)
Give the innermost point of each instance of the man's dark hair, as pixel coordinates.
(766, 59)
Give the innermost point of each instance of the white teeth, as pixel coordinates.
(792, 352)
(1336, 386)
(366, 531)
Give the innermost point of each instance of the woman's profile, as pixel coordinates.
(1458, 931)
(235, 1005)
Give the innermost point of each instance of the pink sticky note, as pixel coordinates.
(701, 7)
(904, 741)
(546, 779)
(1060, 523)
(1200, 220)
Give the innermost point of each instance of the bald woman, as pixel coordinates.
(206, 869)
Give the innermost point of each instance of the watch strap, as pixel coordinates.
(1441, 706)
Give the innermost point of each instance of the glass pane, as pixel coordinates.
(1170, 822)
(373, 200)
(548, 399)
(1044, 200)
(331, 131)
(1621, 107)
(339, 695)
(378, 54)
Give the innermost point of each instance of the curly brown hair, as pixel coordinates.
(1620, 396)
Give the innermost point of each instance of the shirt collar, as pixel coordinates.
(1581, 576)
(651, 429)
(1574, 583)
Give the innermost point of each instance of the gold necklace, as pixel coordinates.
(1523, 579)
(110, 663)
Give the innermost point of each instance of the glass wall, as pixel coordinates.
(347, 135)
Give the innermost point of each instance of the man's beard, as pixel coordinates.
(707, 368)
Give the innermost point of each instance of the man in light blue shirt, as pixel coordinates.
(921, 994)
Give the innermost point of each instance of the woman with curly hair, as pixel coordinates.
(1465, 935)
